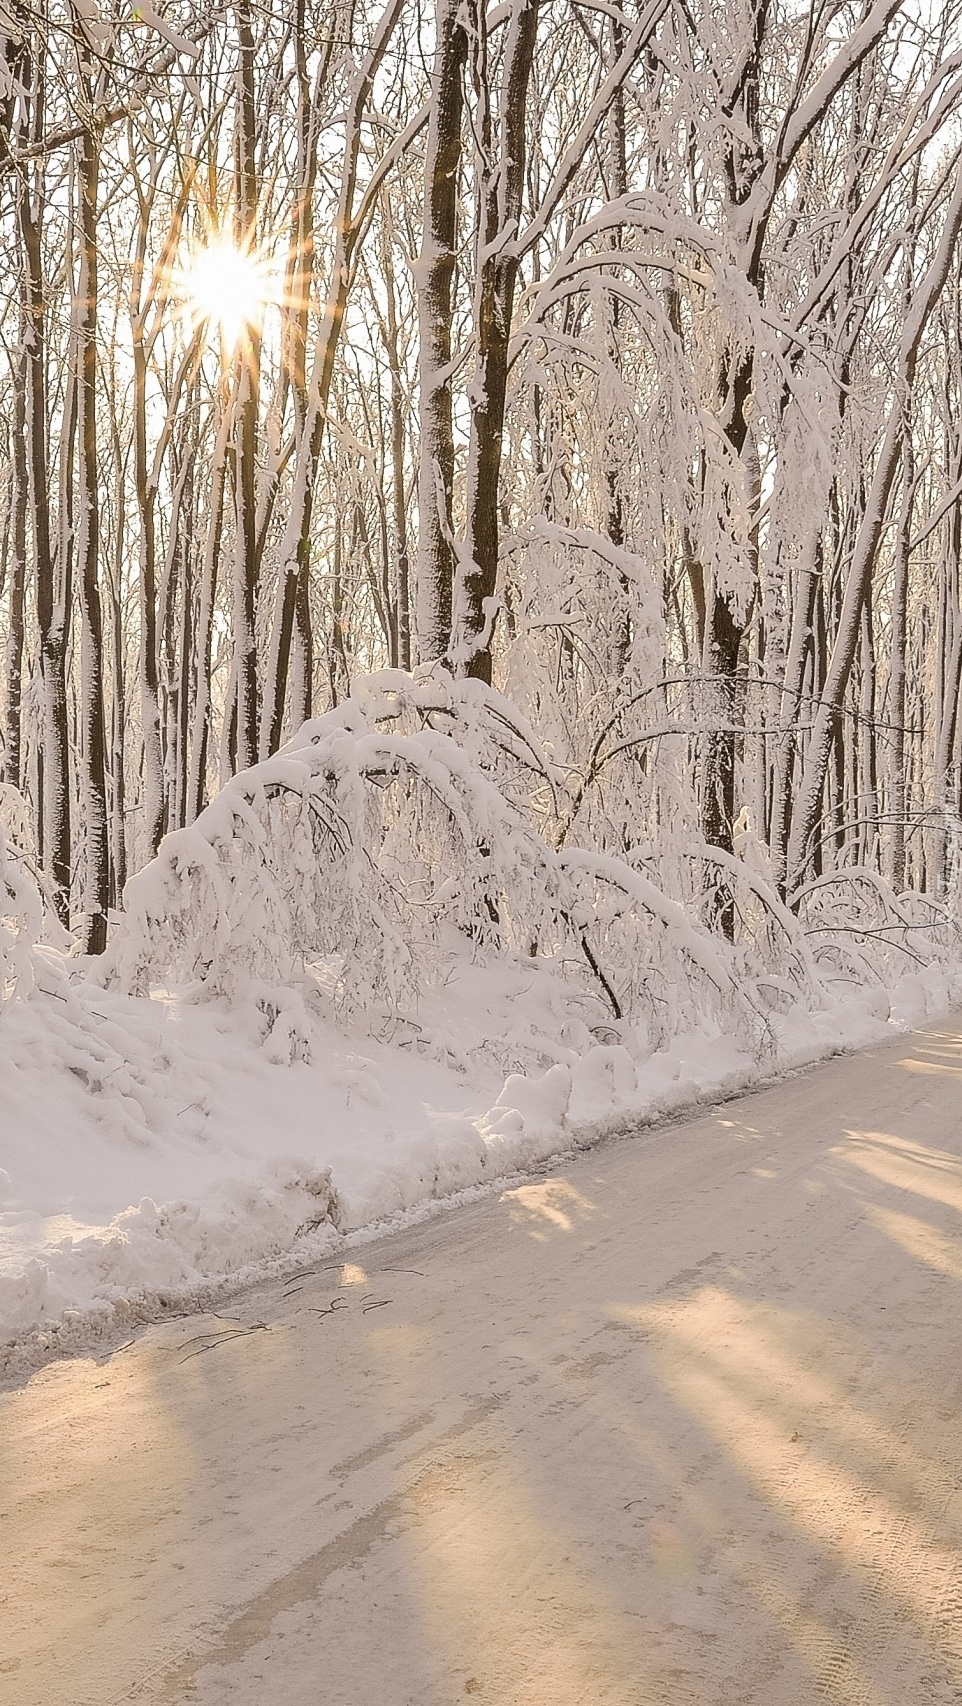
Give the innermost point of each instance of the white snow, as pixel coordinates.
(162, 1143)
(676, 1421)
(155, 1155)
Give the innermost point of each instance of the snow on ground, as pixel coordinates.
(676, 1422)
(156, 1153)
(372, 976)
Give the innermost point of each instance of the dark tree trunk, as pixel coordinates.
(436, 553)
(246, 380)
(501, 190)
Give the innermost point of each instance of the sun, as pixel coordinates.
(226, 286)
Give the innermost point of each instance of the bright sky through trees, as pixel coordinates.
(225, 286)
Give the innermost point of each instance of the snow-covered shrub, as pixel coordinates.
(21, 922)
(400, 834)
(770, 948)
(862, 932)
(491, 731)
(354, 854)
(652, 958)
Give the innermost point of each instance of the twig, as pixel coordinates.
(336, 1304)
(225, 1338)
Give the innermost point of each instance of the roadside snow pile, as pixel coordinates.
(368, 978)
(155, 1154)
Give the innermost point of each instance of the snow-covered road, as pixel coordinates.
(680, 1423)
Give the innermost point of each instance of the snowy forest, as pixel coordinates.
(480, 497)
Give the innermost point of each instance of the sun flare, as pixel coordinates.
(227, 287)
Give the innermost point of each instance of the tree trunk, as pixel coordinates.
(118, 719)
(153, 774)
(402, 560)
(436, 557)
(93, 744)
(17, 570)
(501, 187)
(900, 590)
(52, 602)
(726, 611)
(247, 385)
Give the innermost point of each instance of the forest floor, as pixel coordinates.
(679, 1423)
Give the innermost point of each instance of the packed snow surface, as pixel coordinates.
(674, 1421)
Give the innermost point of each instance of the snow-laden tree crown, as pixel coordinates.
(602, 359)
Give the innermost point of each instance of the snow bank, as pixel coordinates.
(364, 983)
(157, 1156)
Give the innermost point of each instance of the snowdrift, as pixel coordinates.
(370, 977)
